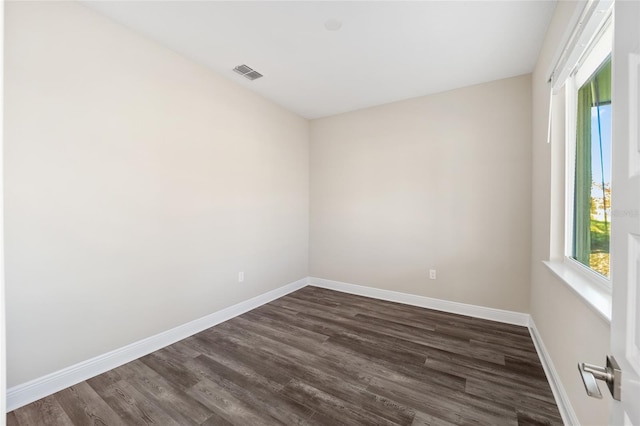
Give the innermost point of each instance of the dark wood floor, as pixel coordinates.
(321, 357)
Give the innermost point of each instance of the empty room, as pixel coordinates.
(319, 212)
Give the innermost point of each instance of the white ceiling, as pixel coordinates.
(384, 51)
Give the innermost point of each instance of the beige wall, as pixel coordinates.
(138, 184)
(571, 331)
(440, 181)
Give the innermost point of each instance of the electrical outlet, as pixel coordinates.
(432, 274)
(240, 277)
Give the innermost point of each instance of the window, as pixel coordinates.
(589, 158)
(580, 105)
(591, 204)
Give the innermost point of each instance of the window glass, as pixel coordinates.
(592, 179)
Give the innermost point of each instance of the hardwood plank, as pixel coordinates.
(105, 380)
(486, 373)
(46, 411)
(333, 379)
(251, 393)
(505, 349)
(220, 401)
(85, 407)
(359, 305)
(133, 407)
(181, 351)
(180, 406)
(422, 342)
(346, 365)
(216, 420)
(332, 407)
(348, 389)
(525, 367)
(520, 398)
(425, 337)
(360, 310)
(489, 335)
(356, 361)
(424, 419)
(242, 358)
(298, 341)
(320, 357)
(292, 329)
(285, 361)
(11, 419)
(170, 369)
(389, 353)
(534, 419)
(450, 406)
(418, 314)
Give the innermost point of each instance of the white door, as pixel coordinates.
(3, 376)
(625, 238)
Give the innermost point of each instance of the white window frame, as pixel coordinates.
(586, 67)
(568, 68)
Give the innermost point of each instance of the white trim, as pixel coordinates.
(563, 47)
(592, 16)
(594, 58)
(36, 389)
(587, 273)
(509, 317)
(3, 334)
(562, 399)
(597, 296)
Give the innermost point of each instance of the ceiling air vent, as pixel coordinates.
(253, 75)
(247, 72)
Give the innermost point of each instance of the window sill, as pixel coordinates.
(596, 297)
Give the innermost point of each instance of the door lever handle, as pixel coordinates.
(589, 378)
(610, 374)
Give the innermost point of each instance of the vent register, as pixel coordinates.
(247, 72)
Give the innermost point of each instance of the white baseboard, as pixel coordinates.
(509, 317)
(562, 399)
(36, 389)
